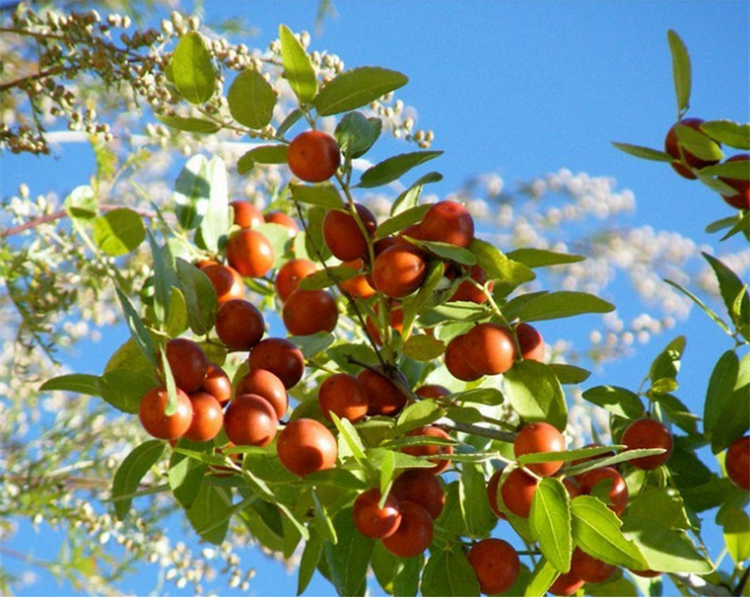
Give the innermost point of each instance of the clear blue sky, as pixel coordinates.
(521, 88)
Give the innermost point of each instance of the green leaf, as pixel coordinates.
(290, 120)
(617, 400)
(324, 195)
(730, 413)
(728, 133)
(736, 528)
(535, 393)
(720, 389)
(394, 167)
(401, 221)
(645, 153)
(596, 529)
(177, 321)
(569, 374)
(124, 388)
(550, 522)
(251, 99)
(739, 170)
(418, 414)
(351, 438)
(309, 562)
(697, 143)
(667, 363)
(210, 512)
(707, 310)
(137, 328)
(349, 558)
(82, 203)
(200, 296)
(356, 134)
(407, 575)
(118, 231)
(409, 198)
(423, 347)
(162, 281)
(499, 266)
(81, 383)
(357, 87)
(478, 518)
(447, 251)
(556, 305)
(192, 69)
(538, 258)
(731, 288)
(263, 154)
(662, 505)
(189, 124)
(185, 475)
(678, 412)
(130, 473)
(215, 222)
(192, 191)
(680, 70)
(448, 573)
(663, 549)
(484, 396)
(298, 69)
(543, 577)
(313, 344)
(322, 520)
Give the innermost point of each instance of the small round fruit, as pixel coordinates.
(309, 312)
(530, 342)
(455, 362)
(280, 357)
(682, 163)
(518, 491)
(740, 200)
(239, 324)
(151, 412)
(372, 520)
(540, 437)
(422, 487)
(188, 363)
(306, 446)
(489, 349)
(283, 219)
(496, 565)
(566, 584)
(432, 391)
(250, 253)
(208, 417)
(226, 280)
(414, 534)
(492, 489)
(737, 462)
(429, 450)
(448, 222)
(572, 486)
(267, 385)
(250, 420)
(648, 434)
(617, 495)
(343, 395)
(290, 274)
(313, 156)
(383, 397)
(467, 291)
(589, 568)
(343, 236)
(357, 286)
(218, 384)
(398, 271)
(246, 214)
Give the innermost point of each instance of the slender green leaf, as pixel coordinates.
(189, 124)
(681, 72)
(640, 151)
(130, 473)
(423, 347)
(736, 529)
(123, 388)
(409, 198)
(537, 258)
(177, 321)
(731, 288)
(707, 310)
(200, 296)
(251, 99)
(542, 578)
(401, 221)
(447, 251)
(162, 281)
(192, 192)
(419, 414)
(499, 266)
(732, 412)
(215, 223)
(569, 374)
(81, 383)
(263, 154)
(356, 88)
(448, 573)
(356, 134)
(192, 69)
(728, 133)
(137, 329)
(550, 522)
(324, 195)
(298, 69)
(185, 474)
(394, 167)
(349, 558)
(557, 305)
(209, 513)
(667, 363)
(478, 518)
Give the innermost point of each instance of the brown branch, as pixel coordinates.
(36, 76)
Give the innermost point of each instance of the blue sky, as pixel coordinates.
(521, 88)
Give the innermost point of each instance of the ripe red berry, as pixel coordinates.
(344, 395)
(155, 421)
(306, 446)
(422, 487)
(383, 396)
(616, 496)
(250, 253)
(342, 234)
(429, 450)
(496, 565)
(246, 214)
(455, 362)
(309, 312)
(239, 325)
(683, 159)
(208, 417)
(589, 568)
(489, 349)
(217, 383)
(290, 274)
(313, 156)
(648, 434)
(226, 281)
(414, 534)
(518, 491)
(267, 385)
(372, 520)
(280, 357)
(188, 363)
(737, 462)
(540, 437)
(740, 200)
(448, 222)
(399, 271)
(250, 420)
(530, 342)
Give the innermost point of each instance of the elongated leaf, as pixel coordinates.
(349, 558)
(192, 192)
(357, 87)
(542, 578)
(119, 231)
(394, 167)
(707, 310)
(323, 522)
(192, 69)
(557, 305)
(215, 223)
(200, 296)
(720, 390)
(298, 69)
(731, 287)
(309, 562)
(137, 328)
(130, 473)
(210, 512)
(251, 99)
(81, 383)
(499, 266)
(478, 518)
(162, 281)
(535, 393)
(177, 321)
(697, 143)
(728, 133)
(569, 374)
(537, 258)
(185, 474)
(123, 388)
(739, 170)
(666, 365)
(617, 400)
(324, 195)
(640, 151)
(356, 134)
(419, 414)
(550, 521)
(484, 396)
(401, 221)
(263, 154)
(681, 72)
(189, 124)
(410, 197)
(736, 529)
(447, 251)
(733, 414)
(448, 573)
(423, 347)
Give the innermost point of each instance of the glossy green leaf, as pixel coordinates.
(200, 296)
(210, 512)
(478, 518)
(499, 266)
(185, 474)
(731, 413)
(192, 191)
(662, 505)
(118, 231)
(739, 170)
(678, 412)
(645, 153)
(130, 473)
(617, 400)
(697, 143)
(192, 69)
(137, 328)
(356, 134)
(313, 344)
(448, 573)
(419, 414)
(356, 88)
(484, 396)
(535, 393)
(423, 347)
(298, 69)
(542, 578)
(596, 529)
(401, 221)
(263, 154)
(667, 363)
(394, 167)
(309, 562)
(447, 251)
(731, 288)
(729, 133)
(215, 222)
(407, 575)
(569, 374)
(189, 124)
(550, 522)
(538, 258)
(123, 388)
(720, 390)
(251, 99)
(162, 280)
(736, 529)
(323, 523)
(707, 310)
(348, 433)
(323, 279)
(324, 195)
(81, 383)
(177, 320)
(681, 72)
(557, 305)
(409, 198)
(348, 559)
